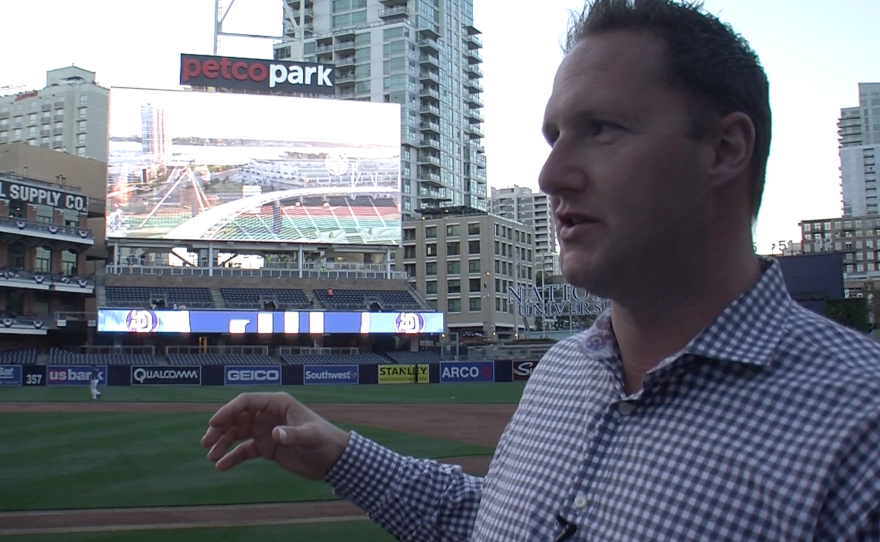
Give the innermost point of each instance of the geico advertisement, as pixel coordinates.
(74, 375)
(402, 374)
(10, 375)
(166, 376)
(248, 375)
(522, 370)
(330, 374)
(467, 371)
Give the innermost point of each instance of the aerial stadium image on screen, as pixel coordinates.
(187, 165)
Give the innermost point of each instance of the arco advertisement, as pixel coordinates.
(467, 371)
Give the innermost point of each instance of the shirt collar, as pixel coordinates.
(747, 331)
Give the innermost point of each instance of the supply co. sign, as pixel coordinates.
(255, 74)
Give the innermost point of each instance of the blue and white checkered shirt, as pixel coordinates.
(766, 426)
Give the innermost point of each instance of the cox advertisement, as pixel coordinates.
(522, 370)
(10, 375)
(330, 374)
(468, 371)
(249, 375)
(403, 374)
(151, 375)
(74, 375)
(266, 323)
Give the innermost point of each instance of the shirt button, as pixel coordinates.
(626, 408)
(581, 502)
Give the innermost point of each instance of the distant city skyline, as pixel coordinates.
(815, 53)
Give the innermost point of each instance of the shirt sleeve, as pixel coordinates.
(412, 499)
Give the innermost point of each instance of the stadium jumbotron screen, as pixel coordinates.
(285, 323)
(235, 167)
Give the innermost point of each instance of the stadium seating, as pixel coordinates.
(334, 359)
(141, 296)
(19, 357)
(286, 299)
(63, 357)
(221, 359)
(390, 300)
(424, 356)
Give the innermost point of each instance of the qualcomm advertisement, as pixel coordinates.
(248, 375)
(284, 323)
(10, 375)
(330, 374)
(145, 375)
(468, 371)
(74, 375)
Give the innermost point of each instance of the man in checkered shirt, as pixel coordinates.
(705, 404)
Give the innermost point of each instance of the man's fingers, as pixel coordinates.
(244, 451)
(242, 408)
(222, 444)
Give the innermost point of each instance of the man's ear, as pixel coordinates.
(734, 144)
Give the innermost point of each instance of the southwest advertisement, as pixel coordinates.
(186, 166)
(330, 374)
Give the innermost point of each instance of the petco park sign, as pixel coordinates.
(255, 74)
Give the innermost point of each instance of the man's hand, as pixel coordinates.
(277, 427)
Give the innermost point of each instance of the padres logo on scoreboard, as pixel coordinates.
(409, 322)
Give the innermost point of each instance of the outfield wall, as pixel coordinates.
(482, 371)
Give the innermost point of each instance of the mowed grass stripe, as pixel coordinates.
(361, 531)
(109, 460)
(507, 392)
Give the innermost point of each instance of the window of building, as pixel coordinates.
(17, 209)
(68, 262)
(15, 256)
(431, 269)
(453, 268)
(84, 100)
(453, 249)
(454, 286)
(475, 304)
(474, 285)
(431, 232)
(45, 214)
(409, 251)
(431, 287)
(473, 247)
(82, 126)
(432, 304)
(497, 266)
(453, 305)
(431, 249)
(452, 230)
(42, 260)
(410, 269)
(474, 229)
(409, 234)
(84, 112)
(81, 152)
(473, 266)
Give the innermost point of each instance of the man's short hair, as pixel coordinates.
(708, 59)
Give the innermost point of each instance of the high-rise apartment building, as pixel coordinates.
(69, 115)
(154, 140)
(531, 208)
(424, 55)
(463, 261)
(859, 130)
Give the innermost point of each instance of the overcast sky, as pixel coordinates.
(815, 53)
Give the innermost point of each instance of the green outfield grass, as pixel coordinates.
(114, 460)
(508, 392)
(360, 531)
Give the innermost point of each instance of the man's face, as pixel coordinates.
(626, 182)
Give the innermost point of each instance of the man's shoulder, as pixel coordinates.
(810, 337)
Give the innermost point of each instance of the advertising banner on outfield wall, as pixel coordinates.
(467, 371)
(402, 374)
(330, 374)
(522, 370)
(74, 375)
(10, 375)
(248, 375)
(151, 375)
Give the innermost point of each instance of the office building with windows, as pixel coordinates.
(533, 208)
(69, 115)
(859, 131)
(857, 238)
(422, 54)
(154, 140)
(462, 261)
